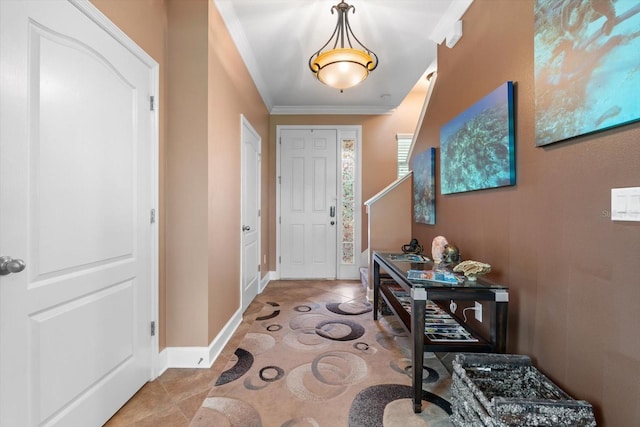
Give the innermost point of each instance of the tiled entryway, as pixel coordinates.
(174, 398)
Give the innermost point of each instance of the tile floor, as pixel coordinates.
(173, 398)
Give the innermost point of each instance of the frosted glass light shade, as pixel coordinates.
(342, 68)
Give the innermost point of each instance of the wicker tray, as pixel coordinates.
(506, 390)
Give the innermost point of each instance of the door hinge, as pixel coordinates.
(258, 267)
(259, 210)
(152, 216)
(153, 328)
(152, 104)
(279, 260)
(279, 220)
(279, 180)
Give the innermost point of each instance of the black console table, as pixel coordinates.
(414, 322)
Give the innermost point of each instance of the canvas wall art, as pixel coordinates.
(424, 188)
(477, 148)
(587, 67)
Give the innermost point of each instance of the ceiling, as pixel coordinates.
(276, 38)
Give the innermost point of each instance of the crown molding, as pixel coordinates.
(330, 109)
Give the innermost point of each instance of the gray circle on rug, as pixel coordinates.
(237, 412)
(403, 366)
(349, 308)
(305, 339)
(356, 368)
(271, 373)
(242, 365)
(327, 376)
(367, 409)
(328, 329)
(271, 315)
(301, 422)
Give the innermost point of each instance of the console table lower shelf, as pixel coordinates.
(436, 337)
(419, 305)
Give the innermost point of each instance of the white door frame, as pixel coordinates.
(343, 132)
(246, 125)
(101, 20)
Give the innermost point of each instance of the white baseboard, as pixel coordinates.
(271, 275)
(203, 357)
(199, 357)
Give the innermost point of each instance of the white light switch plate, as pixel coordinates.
(625, 204)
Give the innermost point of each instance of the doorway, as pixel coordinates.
(318, 202)
(251, 168)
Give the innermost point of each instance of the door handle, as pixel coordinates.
(246, 228)
(10, 265)
(332, 211)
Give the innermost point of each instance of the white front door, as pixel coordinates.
(308, 198)
(250, 213)
(76, 190)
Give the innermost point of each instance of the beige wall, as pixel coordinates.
(187, 174)
(575, 291)
(389, 224)
(231, 93)
(203, 90)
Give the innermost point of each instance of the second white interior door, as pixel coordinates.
(308, 197)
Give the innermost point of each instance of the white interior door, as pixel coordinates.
(308, 197)
(250, 213)
(75, 197)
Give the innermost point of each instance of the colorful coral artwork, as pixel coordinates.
(587, 66)
(424, 189)
(477, 148)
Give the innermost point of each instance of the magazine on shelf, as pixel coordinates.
(439, 326)
(409, 258)
(439, 321)
(453, 337)
(434, 276)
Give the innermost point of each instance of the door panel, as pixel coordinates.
(75, 197)
(78, 196)
(308, 191)
(70, 352)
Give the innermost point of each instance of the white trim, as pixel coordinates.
(427, 99)
(245, 124)
(387, 189)
(232, 22)
(331, 109)
(201, 357)
(271, 275)
(95, 15)
(447, 27)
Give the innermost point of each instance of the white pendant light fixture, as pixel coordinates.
(343, 66)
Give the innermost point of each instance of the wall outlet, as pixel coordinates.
(478, 311)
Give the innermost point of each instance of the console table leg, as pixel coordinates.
(418, 302)
(376, 289)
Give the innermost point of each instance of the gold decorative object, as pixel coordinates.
(472, 269)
